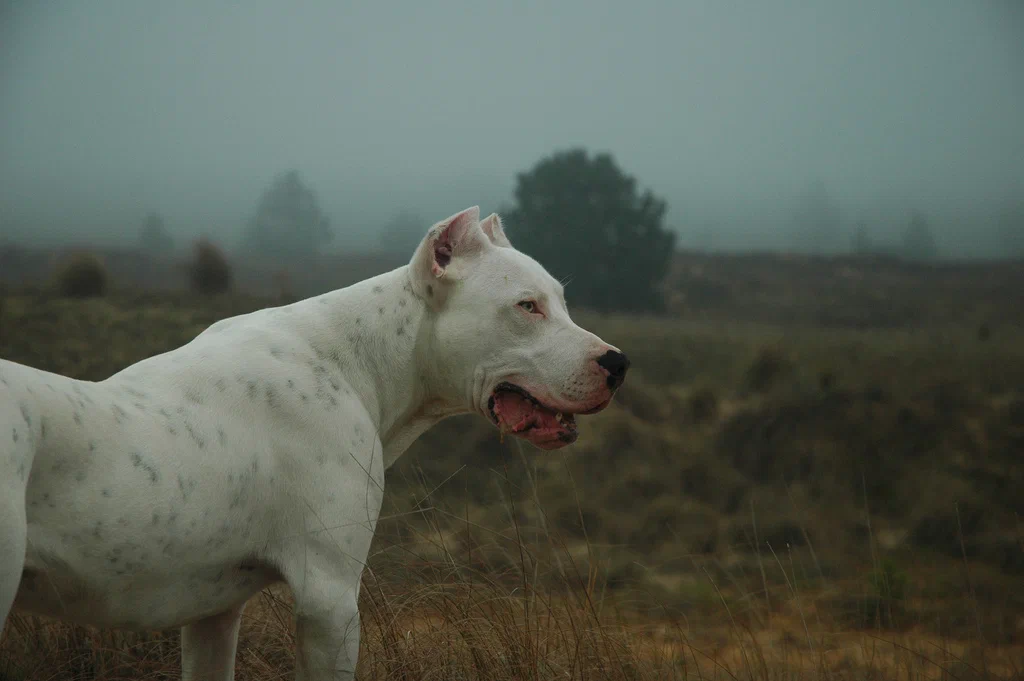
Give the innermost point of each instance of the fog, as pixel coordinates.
(110, 110)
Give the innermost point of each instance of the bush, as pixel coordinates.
(702, 405)
(209, 271)
(285, 290)
(82, 275)
(770, 365)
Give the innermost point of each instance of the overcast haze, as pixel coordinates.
(109, 110)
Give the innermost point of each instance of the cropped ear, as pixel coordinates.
(492, 227)
(445, 252)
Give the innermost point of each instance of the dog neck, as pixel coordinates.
(380, 332)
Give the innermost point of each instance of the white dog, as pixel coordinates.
(172, 492)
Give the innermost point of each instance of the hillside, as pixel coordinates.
(763, 468)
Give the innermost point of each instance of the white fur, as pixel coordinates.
(170, 493)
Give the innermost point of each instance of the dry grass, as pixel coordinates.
(544, 613)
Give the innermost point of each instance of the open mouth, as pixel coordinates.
(514, 410)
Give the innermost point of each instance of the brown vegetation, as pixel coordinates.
(82, 274)
(209, 271)
(763, 501)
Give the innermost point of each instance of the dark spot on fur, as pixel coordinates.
(359, 320)
(14, 434)
(430, 290)
(220, 385)
(380, 310)
(401, 303)
(198, 439)
(77, 417)
(222, 436)
(378, 289)
(105, 492)
(139, 462)
(400, 331)
(186, 486)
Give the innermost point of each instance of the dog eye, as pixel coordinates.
(528, 305)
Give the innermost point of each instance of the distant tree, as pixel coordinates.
(288, 222)
(584, 219)
(403, 233)
(861, 242)
(818, 220)
(918, 241)
(1011, 232)
(209, 272)
(153, 237)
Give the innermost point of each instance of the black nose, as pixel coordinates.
(616, 364)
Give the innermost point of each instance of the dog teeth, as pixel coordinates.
(558, 417)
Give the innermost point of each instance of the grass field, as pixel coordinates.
(792, 500)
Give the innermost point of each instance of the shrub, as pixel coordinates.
(702, 405)
(82, 275)
(827, 380)
(770, 365)
(209, 272)
(285, 291)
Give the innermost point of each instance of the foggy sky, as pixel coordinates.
(111, 109)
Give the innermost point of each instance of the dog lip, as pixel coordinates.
(598, 408)
(506, 386)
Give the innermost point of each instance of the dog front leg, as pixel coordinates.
(327, 637)
(208, 647)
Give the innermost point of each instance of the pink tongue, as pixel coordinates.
(519, 413)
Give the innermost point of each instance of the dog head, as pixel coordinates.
(502, 339)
